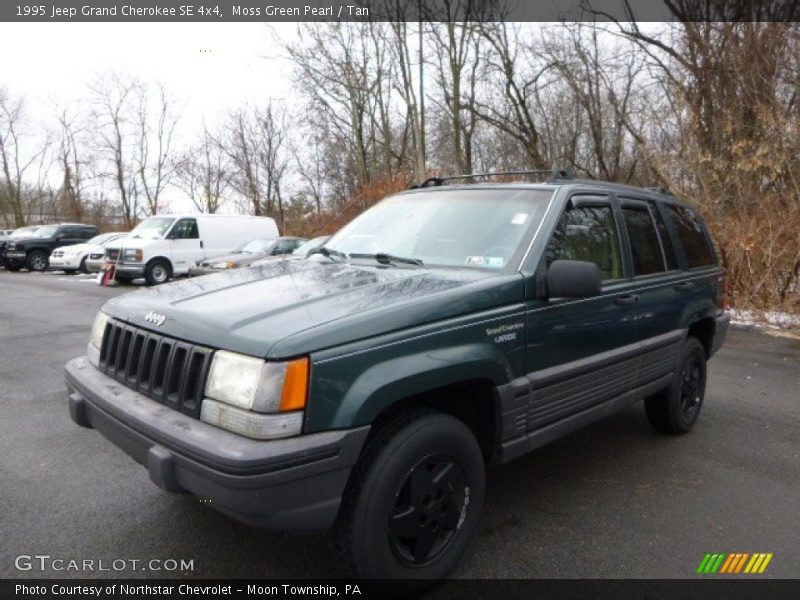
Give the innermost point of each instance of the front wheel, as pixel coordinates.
(37, 260)
(413, 502)
(157, 272)
(676, 408)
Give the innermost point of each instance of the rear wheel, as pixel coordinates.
(158, 271)
(37, 260)
(413, 503)
(676, 408)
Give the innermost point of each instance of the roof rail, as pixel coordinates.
(555, 175)
(660, 190)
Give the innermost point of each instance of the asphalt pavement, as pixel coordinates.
(615, 500)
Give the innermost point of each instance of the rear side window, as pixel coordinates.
(645, 245)
(666, 240)
(588, 233)
(693, 238)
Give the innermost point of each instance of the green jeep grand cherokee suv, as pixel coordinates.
(364, 389)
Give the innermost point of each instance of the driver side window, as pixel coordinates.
(185, 229)
(588, 233)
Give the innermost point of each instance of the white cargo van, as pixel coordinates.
(166, 245)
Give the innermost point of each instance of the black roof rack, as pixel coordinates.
(555, 175)
(660, 190)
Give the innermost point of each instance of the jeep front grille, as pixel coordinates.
(165, 369)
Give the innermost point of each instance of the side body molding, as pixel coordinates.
(538, 408)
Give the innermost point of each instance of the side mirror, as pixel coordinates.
(573, 279)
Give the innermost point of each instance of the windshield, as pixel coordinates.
(308, 246)
(478, 228)
(24, 232)
(154, 227)
(255, 247)
(46, 231)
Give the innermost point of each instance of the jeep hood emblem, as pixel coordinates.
(155, 318)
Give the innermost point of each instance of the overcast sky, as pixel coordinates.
(210, 66)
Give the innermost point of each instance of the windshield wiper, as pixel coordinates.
(388, 259)
(328, 253)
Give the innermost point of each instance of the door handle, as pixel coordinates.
(685, 286)
(201, 244)
(627, 299)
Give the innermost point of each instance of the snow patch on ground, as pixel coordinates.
(769, 319)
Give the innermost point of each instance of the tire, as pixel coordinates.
(38, 260)
(397, 521)
(157, 272)
(82, 268)
(675, 409)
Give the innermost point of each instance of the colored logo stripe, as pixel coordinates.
(735, 562)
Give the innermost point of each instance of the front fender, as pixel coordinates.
(386, 382)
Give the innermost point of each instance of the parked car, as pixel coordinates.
(247, 254)
(32, 250)
(72, 259)
(306, 248)
(365, 390)
(166, 245)
(15, 233)
(96, 259)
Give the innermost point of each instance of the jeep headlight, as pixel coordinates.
(96, 338)
(132, 255)
(255, 398)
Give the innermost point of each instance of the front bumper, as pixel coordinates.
(16, 259)
(95, 264)
(64, 262)
(295, 484)
(134, 271)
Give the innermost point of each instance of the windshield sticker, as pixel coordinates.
(494, 262)
(519, 219)
(477, 261)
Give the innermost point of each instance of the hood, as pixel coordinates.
(27, 240)
(239, 259)
(292, 307)
(133, 242)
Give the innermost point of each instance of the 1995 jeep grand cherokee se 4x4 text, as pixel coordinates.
(364, 388)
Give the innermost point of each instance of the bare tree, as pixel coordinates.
(257, 146)
(70, 161)
(518, 74)
(457, 62)
(203, 173)
(314, 170)
(115, 113)
(153, 163)
(14, 159)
